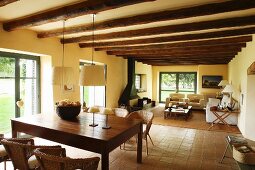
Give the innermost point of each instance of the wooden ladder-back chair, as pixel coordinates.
(56, 159)
(3, 154)
(147, 118)
(20, 151)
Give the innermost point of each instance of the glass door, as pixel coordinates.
(19, 87)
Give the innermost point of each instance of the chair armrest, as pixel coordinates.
(202, 102)
(167, 102)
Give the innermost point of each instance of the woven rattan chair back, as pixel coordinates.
(3, 156)
(49, 160)
(120, 112)
(147, 118)
(16, 149)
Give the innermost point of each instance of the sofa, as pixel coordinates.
(210, 117)
(197, 101)
(174, 98)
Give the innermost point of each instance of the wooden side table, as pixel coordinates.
(221, 118)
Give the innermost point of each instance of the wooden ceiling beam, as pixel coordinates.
(6, 2)
(67, 12)
(201, 10)
(206, 43)
(220, 54)
(187, 27)
(214, 34)
(187, 57)
(169, 53)
(185, 63)
(176, 51)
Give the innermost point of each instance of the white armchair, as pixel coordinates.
(210, 117)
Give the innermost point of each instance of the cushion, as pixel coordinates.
(3, 152)
(195, 100)
(32, 162)
(174, 99)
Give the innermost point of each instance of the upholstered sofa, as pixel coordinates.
(197, 101)
(210, 117)
(174, 98)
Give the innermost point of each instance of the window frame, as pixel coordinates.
(177, 83)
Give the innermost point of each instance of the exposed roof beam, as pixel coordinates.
(67, 12)
(204, 25)
(209, 54)
(203, 43)
(185, 63)
(6, 2)
(215, 34)
(160, 52)
(116, 44)
(184, 57)
(200, 10)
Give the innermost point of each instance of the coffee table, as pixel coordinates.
(179, 111)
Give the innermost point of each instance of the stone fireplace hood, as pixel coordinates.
(130, 91)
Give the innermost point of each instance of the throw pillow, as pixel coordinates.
(195, 100)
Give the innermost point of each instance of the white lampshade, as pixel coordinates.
(93, 110)
(223, 83)
(92, 75)
(62, 75)
(228, 89)
(108, 111)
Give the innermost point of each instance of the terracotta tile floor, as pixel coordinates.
(175, 148)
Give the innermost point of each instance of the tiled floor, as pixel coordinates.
(175, 148)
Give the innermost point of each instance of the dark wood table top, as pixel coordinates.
(80, 125)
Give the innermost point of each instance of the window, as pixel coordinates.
(171, 82)
(93, 95)
(138, 81)
(19, 83)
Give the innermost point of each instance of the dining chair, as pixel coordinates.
(3, 154)
(147, 118)
(20, 151)
(120, 112)
(52, 158)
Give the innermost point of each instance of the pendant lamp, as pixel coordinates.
(62, 75)
(92, 75)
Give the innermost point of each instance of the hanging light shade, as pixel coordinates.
(92, 75)
(62, 75)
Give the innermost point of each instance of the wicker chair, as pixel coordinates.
(120, 112)
(55, 159)
(147, 118)
(20, 150)
(3, 154)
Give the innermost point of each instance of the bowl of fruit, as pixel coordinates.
(67, 109)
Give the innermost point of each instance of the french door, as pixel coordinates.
(19, 87)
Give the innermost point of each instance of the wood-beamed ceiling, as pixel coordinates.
(207, 32)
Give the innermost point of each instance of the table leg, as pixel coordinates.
(14, 131)
(105, 161)
(140, 145)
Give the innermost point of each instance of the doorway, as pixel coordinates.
(19, 87)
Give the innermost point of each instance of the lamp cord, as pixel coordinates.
(93, 37)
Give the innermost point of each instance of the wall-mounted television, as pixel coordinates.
(211, 81)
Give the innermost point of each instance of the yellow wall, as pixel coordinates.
(238, 76)
(219, 70)
(200, 69)
(50, 51)
(146, 70)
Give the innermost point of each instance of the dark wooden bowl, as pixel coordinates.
(68, 112)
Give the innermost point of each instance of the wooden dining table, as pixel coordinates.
(77, 133)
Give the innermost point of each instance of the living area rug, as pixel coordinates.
(196, 121)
